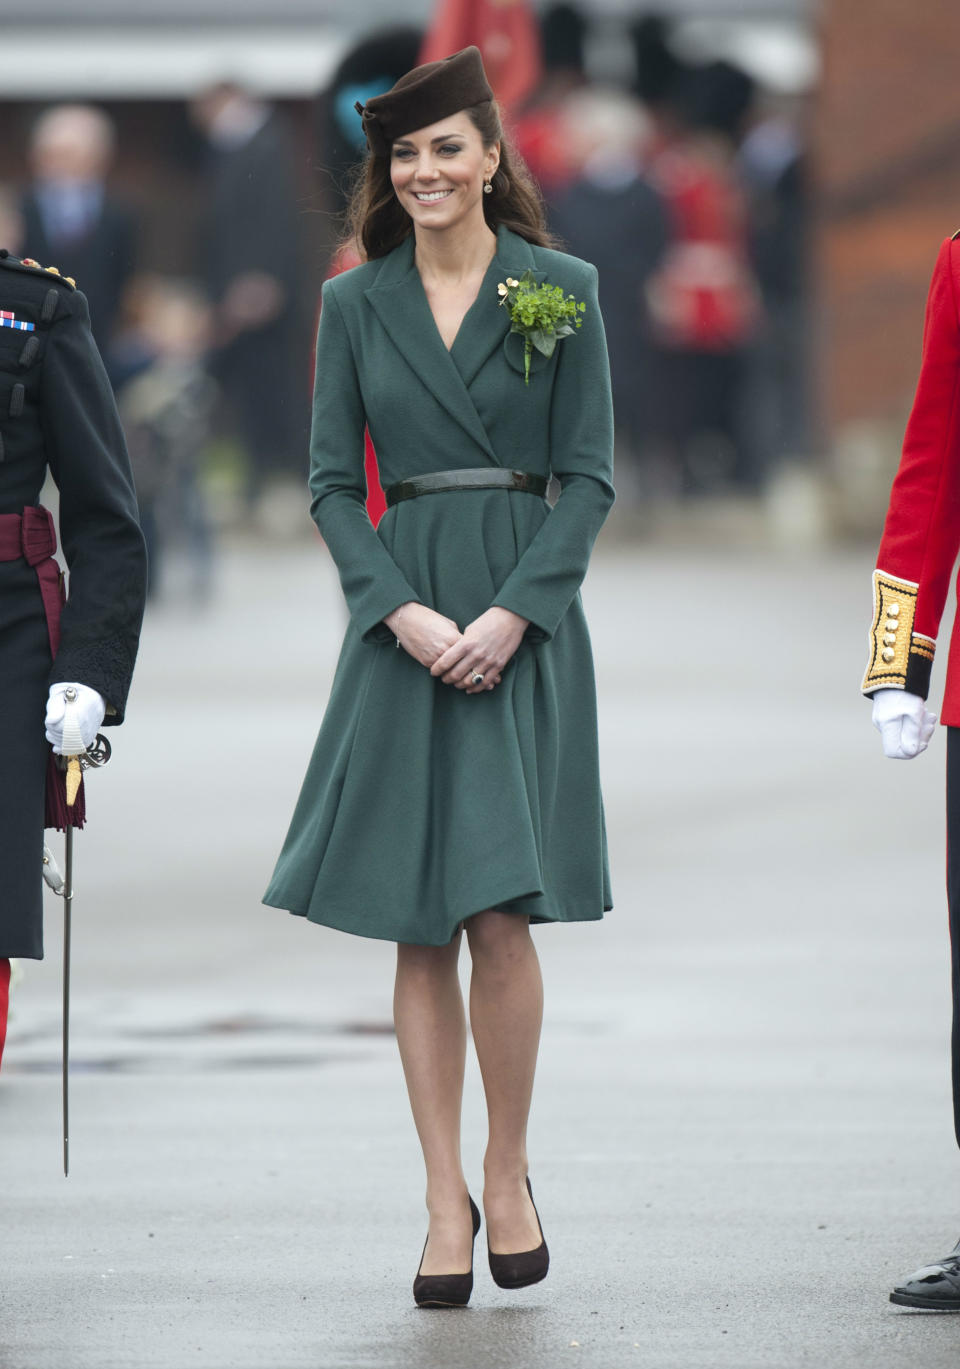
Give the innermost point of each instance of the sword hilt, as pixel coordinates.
(95, 756)
(76, 762)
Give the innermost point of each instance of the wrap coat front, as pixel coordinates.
(423, 805)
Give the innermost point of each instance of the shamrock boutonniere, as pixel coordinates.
(542, 314)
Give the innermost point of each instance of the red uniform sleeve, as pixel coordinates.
(921, 536)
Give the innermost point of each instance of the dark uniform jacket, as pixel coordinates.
(56, 410)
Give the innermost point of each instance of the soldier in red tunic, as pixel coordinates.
(921, 540)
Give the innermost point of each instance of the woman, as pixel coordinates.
(921, 538)
(454, 785)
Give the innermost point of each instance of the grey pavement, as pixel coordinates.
(741, 1134)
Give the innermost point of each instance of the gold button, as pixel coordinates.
(52, 270)
(891, 625)
(888, 654)
(890, 640)
(893, 610)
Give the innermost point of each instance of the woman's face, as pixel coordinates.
(438, 172)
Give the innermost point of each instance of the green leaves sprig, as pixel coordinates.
(542, 314)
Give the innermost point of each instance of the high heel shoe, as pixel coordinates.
(447, 1290)
(526, 1266)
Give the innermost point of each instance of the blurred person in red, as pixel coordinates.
(253, 274)
(540, 131)
(72, 218)
(704, 300)
(918, 552)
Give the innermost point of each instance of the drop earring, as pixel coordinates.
(487, 188)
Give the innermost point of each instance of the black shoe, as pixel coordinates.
(526, 1266)
(447, 1290)
(935, 1287)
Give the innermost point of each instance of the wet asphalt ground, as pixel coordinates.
(741, 1134)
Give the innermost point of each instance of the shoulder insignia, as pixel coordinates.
(31, 265)
(55, 271)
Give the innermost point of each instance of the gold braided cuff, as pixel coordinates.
(899, 657)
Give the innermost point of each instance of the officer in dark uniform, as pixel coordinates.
(56, 410)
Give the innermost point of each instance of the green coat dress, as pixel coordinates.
(423, 805)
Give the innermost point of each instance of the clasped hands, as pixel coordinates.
(904, 724)
(483, 648)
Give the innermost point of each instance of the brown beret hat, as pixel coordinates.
(423, 96)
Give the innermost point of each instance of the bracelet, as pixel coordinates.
(397, 630)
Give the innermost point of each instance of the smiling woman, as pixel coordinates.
(379, 219)
(453, 791)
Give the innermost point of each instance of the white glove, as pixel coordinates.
(903, 722)
(72, 724)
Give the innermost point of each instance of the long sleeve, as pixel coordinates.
(99, 526)
(921, 536)
(373, 584)
(549, 573)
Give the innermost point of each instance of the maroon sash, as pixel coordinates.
(32, 537)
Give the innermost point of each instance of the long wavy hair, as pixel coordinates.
(377, 222)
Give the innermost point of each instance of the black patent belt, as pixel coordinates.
(484, 478)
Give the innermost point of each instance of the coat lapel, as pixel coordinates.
(401, 306)
(487, 324)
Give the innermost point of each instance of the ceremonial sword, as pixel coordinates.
(94, 756)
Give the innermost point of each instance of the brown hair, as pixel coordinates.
(377, 222)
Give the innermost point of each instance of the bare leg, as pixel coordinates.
(506, 1010)
(432, 1036)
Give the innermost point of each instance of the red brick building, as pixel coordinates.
(887, 168)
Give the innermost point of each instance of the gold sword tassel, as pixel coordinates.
(73, 778)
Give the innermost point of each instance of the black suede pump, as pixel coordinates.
(526, 1266)
(447, 1290)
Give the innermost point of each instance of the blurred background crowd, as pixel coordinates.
(763, 239)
